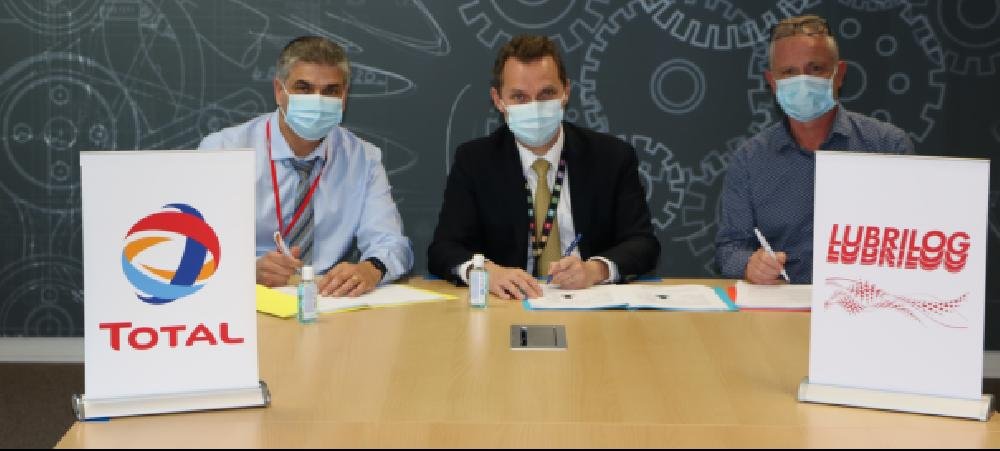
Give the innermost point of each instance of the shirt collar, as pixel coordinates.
(553, 155)
(841, 127)
(280, 149)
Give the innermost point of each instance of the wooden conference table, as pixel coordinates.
(442, 375)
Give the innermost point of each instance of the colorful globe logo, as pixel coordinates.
(178, 227)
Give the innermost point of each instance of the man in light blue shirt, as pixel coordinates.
(770, 181)
(318, 184)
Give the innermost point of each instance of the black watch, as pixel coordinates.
(378, 265)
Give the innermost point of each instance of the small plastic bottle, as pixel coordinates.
(479, 282)
(307, 296)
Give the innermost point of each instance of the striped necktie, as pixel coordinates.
(302, 232)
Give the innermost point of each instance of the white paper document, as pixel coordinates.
(388, 295)
(635, 296)
(773, 297)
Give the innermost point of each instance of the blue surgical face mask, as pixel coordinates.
(312, 116)
(535, 123)
(806, 97)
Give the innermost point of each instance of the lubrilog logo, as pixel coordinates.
(170, 254)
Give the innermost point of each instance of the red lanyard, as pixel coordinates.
(277, 197)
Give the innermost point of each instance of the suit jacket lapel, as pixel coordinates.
(511, 183)
(580, 173)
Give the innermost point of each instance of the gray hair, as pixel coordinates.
(808, 25)
(312, 49)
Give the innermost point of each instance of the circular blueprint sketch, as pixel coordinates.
(53, 106)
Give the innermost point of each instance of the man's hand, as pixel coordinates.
(274, 268)
(764, 270)
(349, 279)
(512, 283)
(571, 273)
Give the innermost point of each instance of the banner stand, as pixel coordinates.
(168, 267)
(85, 408)
(899, 284)
(977, 409)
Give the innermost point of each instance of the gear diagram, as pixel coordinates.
(566, 22)
(707, 24)
(665, 89)
(768, 14)
(682, 111)
(700, 209)
(663, 178)
(967, 32)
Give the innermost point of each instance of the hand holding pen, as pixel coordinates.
(275, 268)
(765, 265)
(571, 272)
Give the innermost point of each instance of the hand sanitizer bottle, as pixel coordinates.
(479, 282)
(307, 296)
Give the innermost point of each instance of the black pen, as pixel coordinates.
(524, 337)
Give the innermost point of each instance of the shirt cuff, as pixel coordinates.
(462, 270)
(612, 269)
(735, 263)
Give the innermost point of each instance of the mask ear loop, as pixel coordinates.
(833, 93)
(284, 114)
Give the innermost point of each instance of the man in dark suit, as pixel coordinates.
(524, 194)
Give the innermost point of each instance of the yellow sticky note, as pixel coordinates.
(274, 302)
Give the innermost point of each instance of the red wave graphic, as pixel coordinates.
(857, 296)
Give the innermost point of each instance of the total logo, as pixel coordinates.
(170, 254)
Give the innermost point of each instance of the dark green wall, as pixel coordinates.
(681, 80)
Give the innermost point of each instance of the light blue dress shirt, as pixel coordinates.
(353, 198)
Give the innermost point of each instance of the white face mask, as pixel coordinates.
(535, 123)
(312, 116)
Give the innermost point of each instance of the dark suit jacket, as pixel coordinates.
(485, 211)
